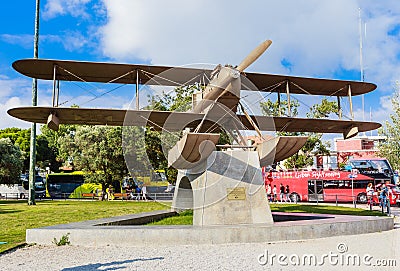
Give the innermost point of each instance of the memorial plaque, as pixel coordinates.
(237, 193)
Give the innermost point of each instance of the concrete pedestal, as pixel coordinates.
(226, 189)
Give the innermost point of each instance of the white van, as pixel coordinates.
(13, 191)
(20, 191)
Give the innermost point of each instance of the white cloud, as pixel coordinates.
(309, 34)
(76, 8)
(317, 38)
(13, 86)
(25, 41)
(72, 41)
(75, 41)
(16, 93)
(7, 120)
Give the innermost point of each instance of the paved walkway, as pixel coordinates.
(374, 251)
(395, 210)
(354, 252)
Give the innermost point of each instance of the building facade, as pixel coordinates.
(356, 147)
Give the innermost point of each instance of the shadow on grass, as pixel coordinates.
(5, 202)
(109, 266)
(9, 211)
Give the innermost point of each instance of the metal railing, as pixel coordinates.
(117, 196)
(15, 196)
(295, 197)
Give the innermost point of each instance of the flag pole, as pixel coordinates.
(32, 152)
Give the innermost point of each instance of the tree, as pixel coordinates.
(48, 153)
(158, 143)
(20, 138)
(314, 144)
(276, 109)
(97, 150)
(45, 155)
(10, 162)
(391, 130)
(323, 109)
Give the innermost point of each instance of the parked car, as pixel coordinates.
(394, 196)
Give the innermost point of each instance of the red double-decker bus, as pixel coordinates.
(323, 185)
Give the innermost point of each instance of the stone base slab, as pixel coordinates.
(94, 233)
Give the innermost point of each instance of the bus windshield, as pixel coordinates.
(380, 166)
(379, 169)
(39, 183)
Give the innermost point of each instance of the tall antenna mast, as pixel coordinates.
(361, 59)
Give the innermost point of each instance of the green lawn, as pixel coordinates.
(186, 218)
(17, 216)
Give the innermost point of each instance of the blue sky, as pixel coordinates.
(311, 38)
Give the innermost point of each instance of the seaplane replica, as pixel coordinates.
(222, 187)
(214, 109)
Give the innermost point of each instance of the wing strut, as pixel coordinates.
(350, 102)
(56, 87)
(251, 120)
(339, 107)
(137, 89)
(288, 98)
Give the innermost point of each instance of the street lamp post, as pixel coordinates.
(32, 151)
(353, 175)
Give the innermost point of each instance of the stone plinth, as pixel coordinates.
(226, 189)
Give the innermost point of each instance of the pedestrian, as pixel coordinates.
(138, 192)
(275, 193)
(269, 191)
(281, 192)
(384, 198)
(110, 192)
(370, 193)
(144, 192)
(287, 193)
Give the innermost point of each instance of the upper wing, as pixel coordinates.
(286, 124)
(107, 72)
(304, 85)
(176, 76)
(177, 121)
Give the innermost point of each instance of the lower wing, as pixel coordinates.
(176, 121)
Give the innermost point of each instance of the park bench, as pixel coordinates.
(121, 195)
(88, 195)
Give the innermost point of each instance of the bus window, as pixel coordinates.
(344, 184)
(331, 184)
(361, 184)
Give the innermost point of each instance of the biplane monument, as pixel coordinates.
(223, 187)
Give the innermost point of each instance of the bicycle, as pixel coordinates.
(385, 203)
(370, 202)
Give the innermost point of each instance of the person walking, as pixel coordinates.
(144, 192)
(281, 192)
(275, 193)
(383, 195)
(269, 192)
(287, 194)
(370, 193)
(110, 192)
